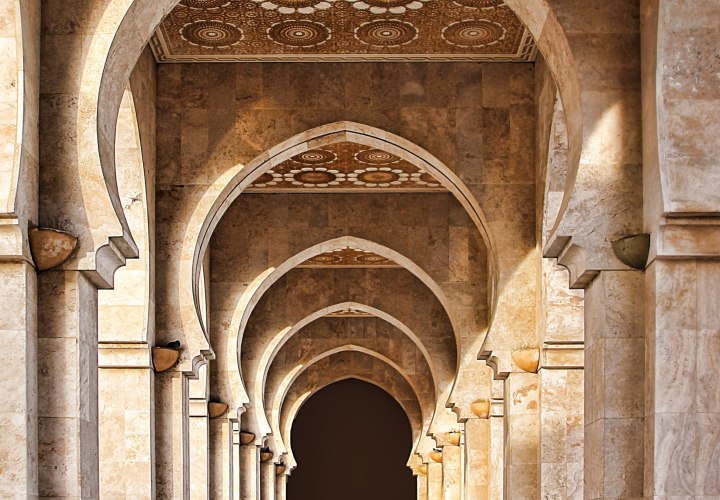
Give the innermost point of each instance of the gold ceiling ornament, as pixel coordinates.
(342, 30)
(345, 166)
(348, 257)
(211, 34)
(383, 6)
(295, 6)
(473, 33)
(386, 33)
(298, 33)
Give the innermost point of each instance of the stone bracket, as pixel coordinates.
(686, 238)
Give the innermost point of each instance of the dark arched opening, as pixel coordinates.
(351, 440)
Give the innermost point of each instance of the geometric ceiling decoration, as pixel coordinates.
(345, 166)
(350, 312)
(342, 30)
(349, 257)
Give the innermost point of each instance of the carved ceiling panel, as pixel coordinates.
(348, 257)
(341, 30)
(345, 166)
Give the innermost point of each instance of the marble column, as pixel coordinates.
(199, 434)
(127, 430)
(221, 463)
(18, 389)
(67, 386)
(521, 436)
(614, 385)
(435, 481)
(249, 472)
(477, 458)
(452, 469)
(171, 436)
(422, 486)
(496, 461)
(281, 486)
(235, 469)
(682, 412)
(267, 480)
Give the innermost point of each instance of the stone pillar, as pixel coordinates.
(67, 386)
(281, 486)
(249, 472)
(452, 472)
(171, 431)
(435, 481)
(614, 385)
(497, 441)
(561, 386)
(199, 434)
(127, 430)
(235, 476)
(422, 487)
(682, 413)
(267, 480)
(18, 389)
(477, 458)
(221, 465)
(521, 436)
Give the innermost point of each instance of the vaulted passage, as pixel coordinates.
(351, 440)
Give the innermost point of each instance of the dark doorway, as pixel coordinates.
(351, 441)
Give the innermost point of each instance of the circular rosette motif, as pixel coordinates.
(269, 178)
(480, 4)
(298, 33)
(424, 179)
(386, 33)
(376, 157)
(383, 6)
(291, 6)
(211, 34)
(371, 258)
(378, 177)
(325, 258)
(315, 157)
(311, 177)
(204, 4)
(473, 33)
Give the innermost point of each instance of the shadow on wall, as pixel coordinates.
(351, 440)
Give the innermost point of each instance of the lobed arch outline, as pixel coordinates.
(284, 447)
(284, 335)
(122, 31)
(254, 292)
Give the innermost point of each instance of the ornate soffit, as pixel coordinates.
(342, 30)
(349, 257)
(349, 313)
(343, 167)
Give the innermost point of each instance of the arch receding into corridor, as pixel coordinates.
(351, 440)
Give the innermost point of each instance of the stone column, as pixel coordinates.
(267, 480)
(521, 436)
(67, 386)
(614, 385)
(221, 465)
(422, 486)
(682, 412)
(249, 472)
(199, 433)
(452, 472)
(171, 431)
(477, 458)
(435, 481)
(561, 386)
(235, 477)
(127, 430)
(497, 441)
(18, 389)
(281, 487)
